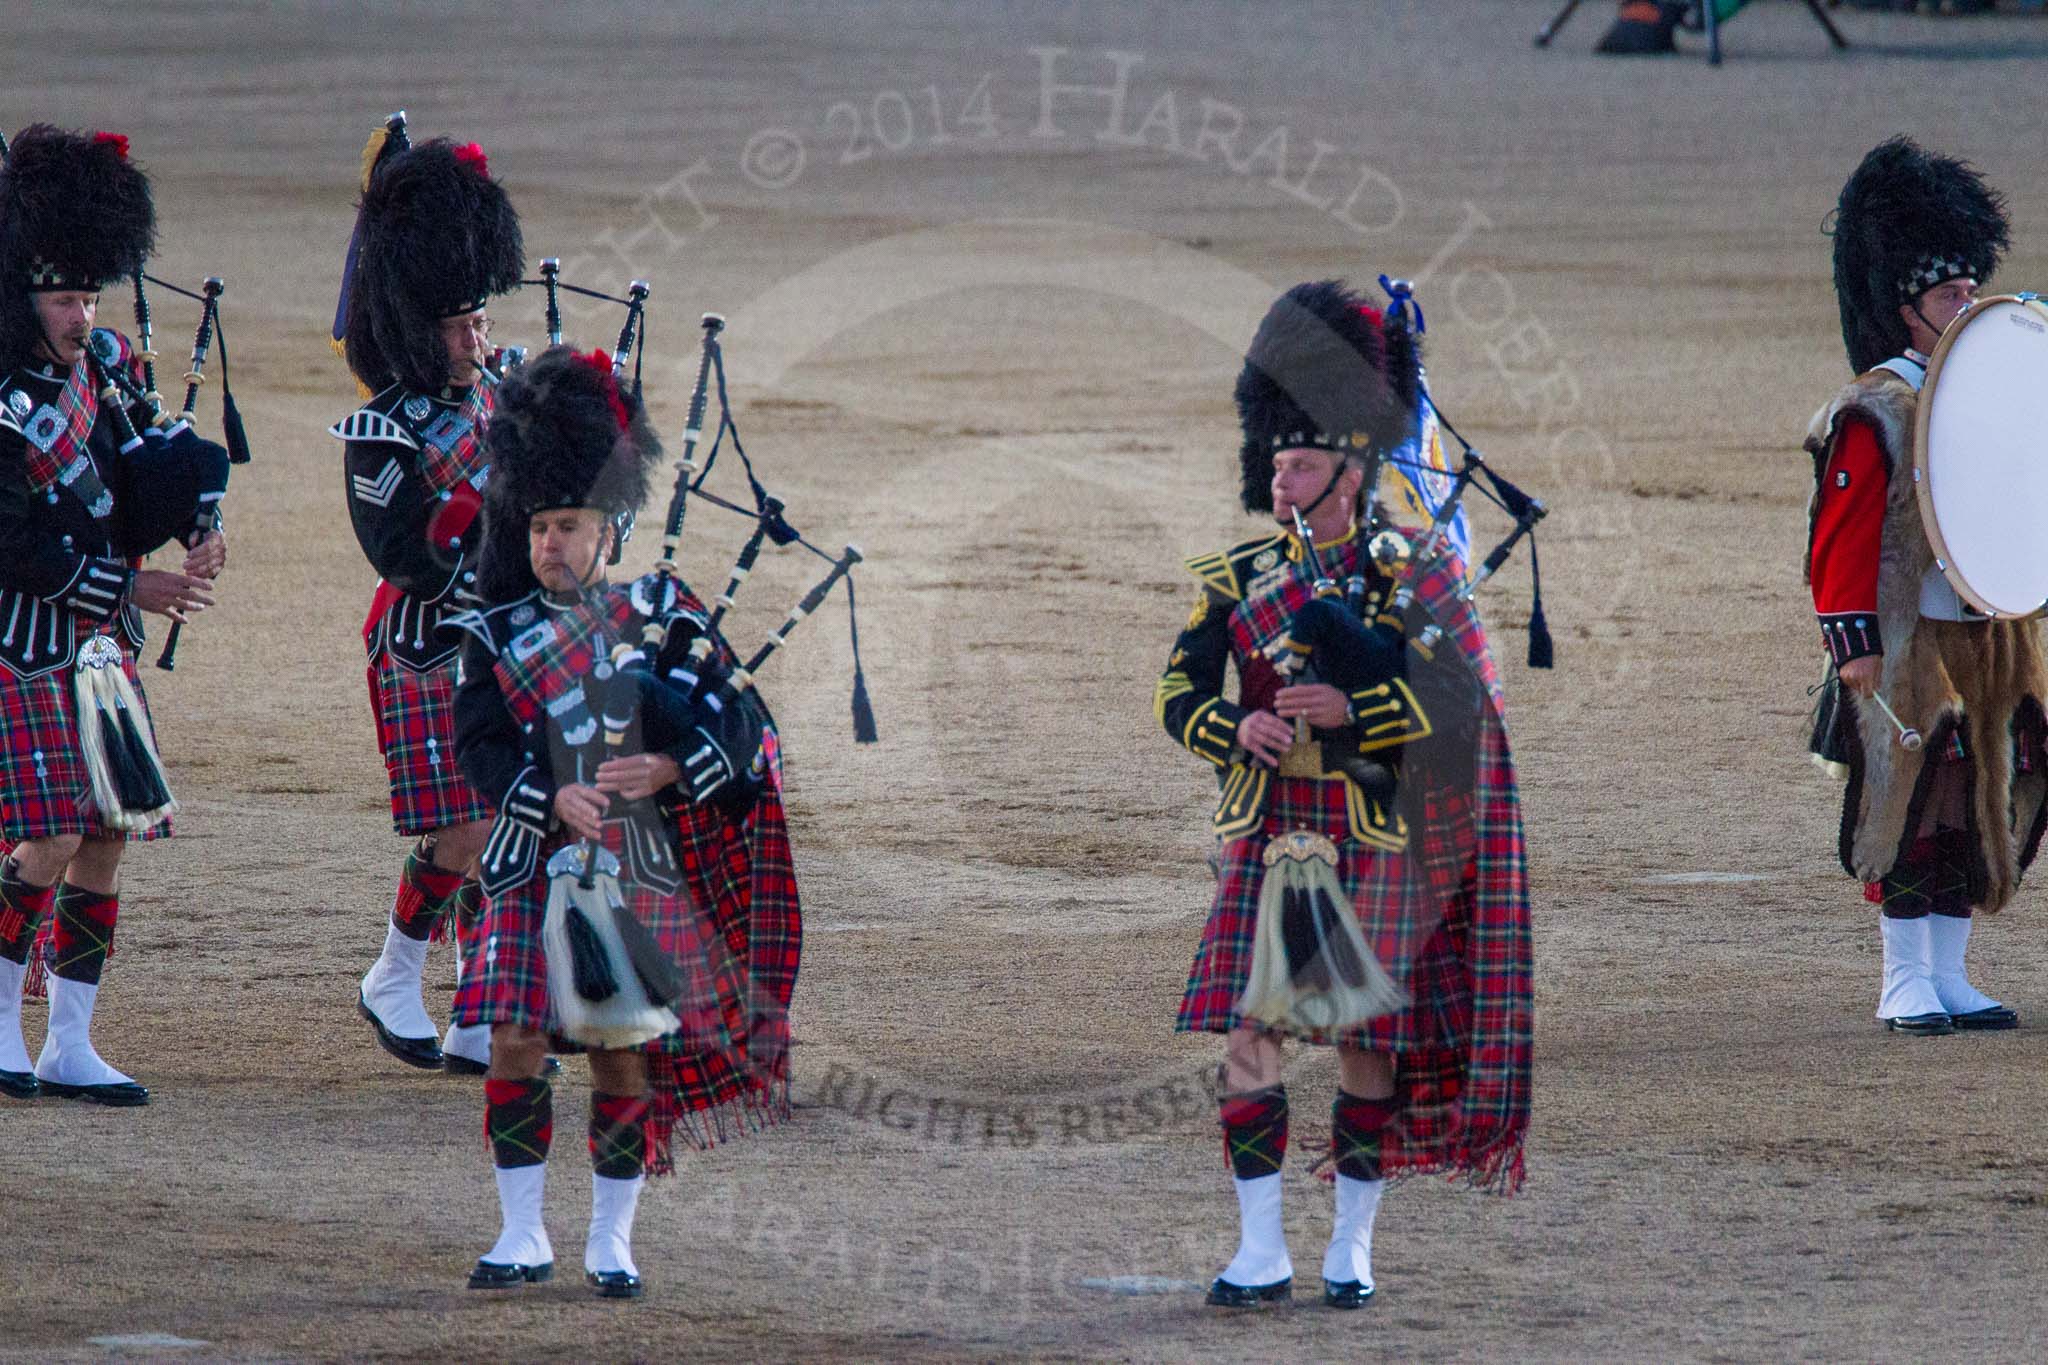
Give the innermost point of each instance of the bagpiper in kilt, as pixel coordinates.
(87, 488)
(1935, 833)
(1371, 888)
(436, 238)
(586, 752)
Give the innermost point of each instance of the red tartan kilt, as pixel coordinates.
(508, 981)
(1418, 932)
(416, 729)
(45, 789)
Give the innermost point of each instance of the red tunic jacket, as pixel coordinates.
(1848, 520)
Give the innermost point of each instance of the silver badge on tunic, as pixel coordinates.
(1265, 560)
(45, 427)
(522, 615)
(525, 646)
(21, 403)
(417, 408)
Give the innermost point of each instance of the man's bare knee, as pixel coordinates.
(517, 1052)
(40, 862)
(1368, 1075)
(457, 846)
(1251, 1061)
(96, 866)
(618, 1073)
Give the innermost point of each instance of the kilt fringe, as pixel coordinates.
(36, 985)
(1500, 1169)
(700, 1130)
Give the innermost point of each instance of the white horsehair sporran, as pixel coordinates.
(1980, 464)
(128, 783)
(1312, 970)
(600, 957)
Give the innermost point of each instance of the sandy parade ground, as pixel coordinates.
(989, 271)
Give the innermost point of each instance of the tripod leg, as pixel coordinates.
(1549, 30)
(1710, 11)
(1821, 15)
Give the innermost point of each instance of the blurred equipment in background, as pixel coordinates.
(1645, 27)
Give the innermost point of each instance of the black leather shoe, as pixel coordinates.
(120, 1095)
(1922, 1025)
(488, 1275)
(614, 1284)
(1346, 1294)
(20, 1085)
(1990, 1017)
(424, 1053)
(1224, 1294)
(463, 1066)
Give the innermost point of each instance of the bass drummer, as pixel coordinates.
(1915, 237)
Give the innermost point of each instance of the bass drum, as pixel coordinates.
(1980, 463)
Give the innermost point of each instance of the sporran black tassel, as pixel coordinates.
(1337, 947)
(135, 777)
(591, 967)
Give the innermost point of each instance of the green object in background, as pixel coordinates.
(1695, 20)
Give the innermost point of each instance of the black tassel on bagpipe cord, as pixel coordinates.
(236, 439)
(1541, 653)
(863, 711)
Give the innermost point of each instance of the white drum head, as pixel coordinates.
(1981, 465)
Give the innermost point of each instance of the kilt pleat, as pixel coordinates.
(415, 713)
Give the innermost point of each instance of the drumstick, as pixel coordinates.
(1909, 738)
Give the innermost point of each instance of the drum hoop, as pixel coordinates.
(1923, 415)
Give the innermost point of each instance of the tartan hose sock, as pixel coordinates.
(519, 1121)
(1355, 1127)
(1255, 1132)
(424, 892)
(618, 1135)
(466, 906)
(84, 934)
(22, 907)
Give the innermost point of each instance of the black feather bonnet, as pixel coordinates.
(439, 238)
(75, 214)
(1908, 220)
(1325, 369)
(562, 433)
